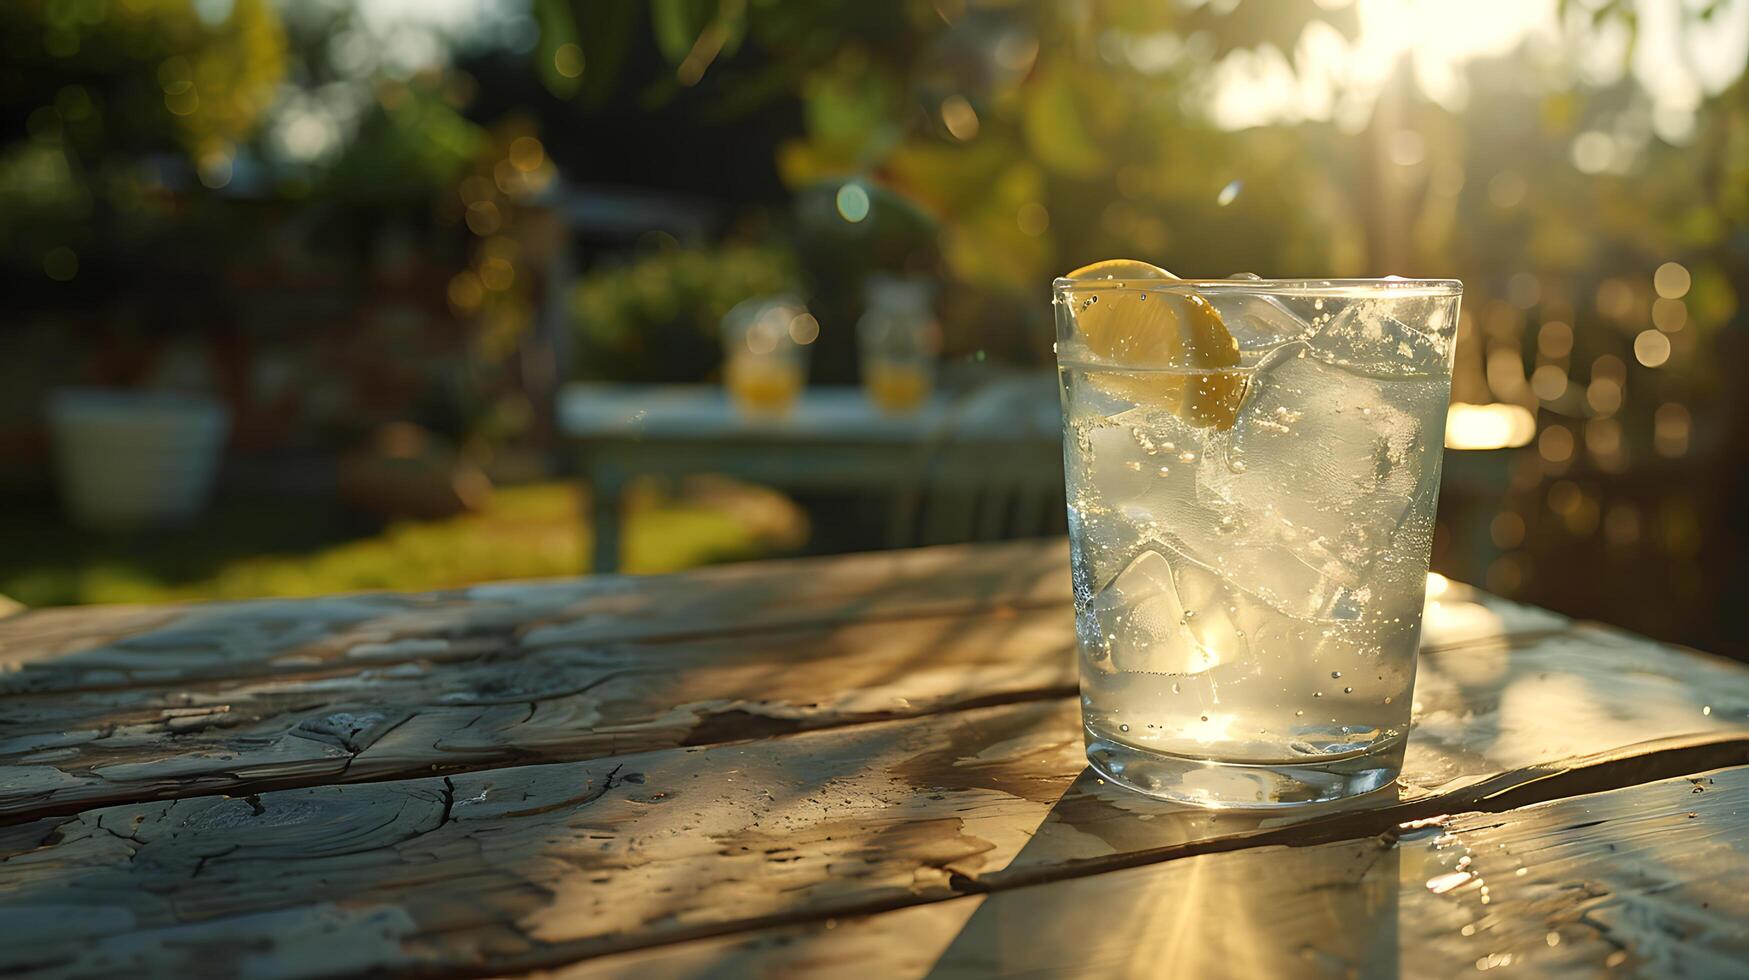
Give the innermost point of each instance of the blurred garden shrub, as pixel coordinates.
(654, 317)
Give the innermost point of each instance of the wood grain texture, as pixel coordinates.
(100, 648)
(65, 752)
(244, 697)
(545, 864)
(1640, 881)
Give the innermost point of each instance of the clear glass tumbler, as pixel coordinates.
(765, 353)
(899, 340)
(1252, 468)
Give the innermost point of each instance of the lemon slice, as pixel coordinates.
(1181, 331)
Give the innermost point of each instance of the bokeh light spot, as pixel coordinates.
(1669, 315)
(853, 202)
(466, 292)
(1229, 193)
(1033, 219)
(1603, 395)
(568, 60)
(484, 218)
(1672, 280)
(1497, 426)
(215, 169)
(1555, 444)
(804, 329)
(1651, 348)
(497, 274)
(1549, 382)
(527, 153)
(959, 117)
(1555, 339)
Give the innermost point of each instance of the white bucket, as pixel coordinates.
(135, 458)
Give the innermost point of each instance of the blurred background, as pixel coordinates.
(316, 295)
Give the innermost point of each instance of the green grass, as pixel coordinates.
(276, 548)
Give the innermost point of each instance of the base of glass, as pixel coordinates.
(1248, 785)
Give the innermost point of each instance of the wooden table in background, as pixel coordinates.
(854, 766)
(832, 440)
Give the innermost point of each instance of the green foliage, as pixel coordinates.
(101, 86)
(153, 70)
(413, 142)
(656, 317)
(529, 531)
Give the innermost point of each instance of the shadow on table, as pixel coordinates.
(1323, 910)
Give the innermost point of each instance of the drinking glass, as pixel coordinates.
(1252, 468)
(765, 353)
(899, 339)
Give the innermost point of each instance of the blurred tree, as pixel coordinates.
(91, 93)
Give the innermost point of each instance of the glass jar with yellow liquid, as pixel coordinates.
(765, 353)
(899, 339)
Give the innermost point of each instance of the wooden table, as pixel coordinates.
(833, 440)
(855, 766)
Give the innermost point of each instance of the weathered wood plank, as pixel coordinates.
(545, 864)
(102, 648)
(388, 708)
(64, 752)
(1640, 881)
(84, 649)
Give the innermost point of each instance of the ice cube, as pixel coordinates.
(1142, 621)
(1139, 484)
(1258, 322)
(1322, 464)
(1364, 338)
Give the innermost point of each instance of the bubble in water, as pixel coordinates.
(1299, 714)
(1175, 687)
(1133, 465)
(1387, 699)
(1123, 728)
(1205, 717)
(1187, 457)
(1348, 690)
(1317, 694)
(1335, 674)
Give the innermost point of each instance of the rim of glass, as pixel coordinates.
(1390, 286)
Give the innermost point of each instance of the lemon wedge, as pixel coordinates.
(1179, 331)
